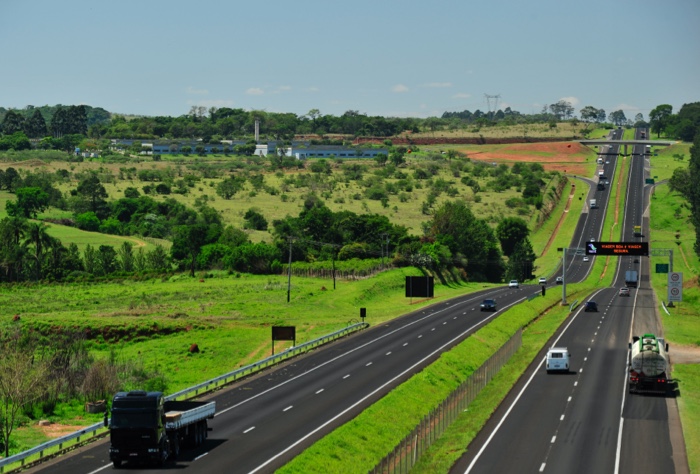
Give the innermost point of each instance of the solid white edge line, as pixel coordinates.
(380, 388)
(510, 408)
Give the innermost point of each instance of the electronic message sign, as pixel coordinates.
(617, 248)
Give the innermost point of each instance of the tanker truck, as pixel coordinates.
(649, 365)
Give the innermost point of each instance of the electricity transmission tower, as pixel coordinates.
(492, 99)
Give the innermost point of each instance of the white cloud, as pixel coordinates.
(312, 89)
(399, 88)
(438, 84)
(255, 91)
(192, 90)
(461, 95)
(281, 89)
(572, 100)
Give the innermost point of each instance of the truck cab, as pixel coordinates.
(558, 360)
(137, 428)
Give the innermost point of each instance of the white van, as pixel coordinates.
(558, 359)
(601, 173)
(600, 160)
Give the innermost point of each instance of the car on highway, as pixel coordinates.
(591, 306)
(624, 291)
(559, 281)
(543, 281)
(488, 305)
(592, 239)
(513, 284)
(558, 360)
(585, 259)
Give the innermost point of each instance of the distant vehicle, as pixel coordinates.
(644, 134)
(624, 291)
(147, 428)
(638, 231)
(592, 239)
(594, 204)
(543, 281)
(585, 259)
(513, 284)
(600, 160)
(607, 162)
(601, 173)
(631, 278)
(488, 305)
(601, 186)
(558, 360)
(591, 307)
(649, 365)
(559, 281)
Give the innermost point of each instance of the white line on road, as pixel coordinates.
(348, 375)
(388, 353)
(554, 438)
(288, 408)
(368, 364)
(542, 467)
(319, 391)
(561, 418)
(249, 429)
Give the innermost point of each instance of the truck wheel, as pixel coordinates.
(117, 464)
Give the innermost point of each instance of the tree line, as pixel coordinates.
(62, 127)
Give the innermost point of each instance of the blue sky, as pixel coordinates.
(381, 57)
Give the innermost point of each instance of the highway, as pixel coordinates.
(585, 421)
(265, 421)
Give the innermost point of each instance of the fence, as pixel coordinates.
(432, 426)
(89, 433)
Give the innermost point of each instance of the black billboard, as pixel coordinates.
(419, 287)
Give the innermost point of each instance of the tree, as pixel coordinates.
(659, 118)
(229, 186)
(562, 110)
(40, 239)
(30, 202)
(511, 231)
(589, 114)
(94, 192)
(12, 123)
(188, 242)
(35, 126)
(521, 262)
(22, 383)
(617, 118)
(255, 220)
(694, 190)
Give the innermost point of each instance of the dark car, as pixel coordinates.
(488, 305)
(591, 306)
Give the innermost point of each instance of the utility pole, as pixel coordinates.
(289, 270)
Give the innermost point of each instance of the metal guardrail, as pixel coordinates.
(98, 429)
(573, 305)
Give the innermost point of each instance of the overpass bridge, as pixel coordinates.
(625, 144)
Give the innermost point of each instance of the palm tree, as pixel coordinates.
(40, 239)
(12, 231)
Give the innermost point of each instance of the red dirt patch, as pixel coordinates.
(565, 157)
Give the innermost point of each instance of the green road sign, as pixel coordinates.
(662, 268)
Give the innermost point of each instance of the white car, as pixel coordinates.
(513, 284)
(543, 281)
(585, 259)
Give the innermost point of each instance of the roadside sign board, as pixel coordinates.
(675, 286)
(662, 268)
(617, 248)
